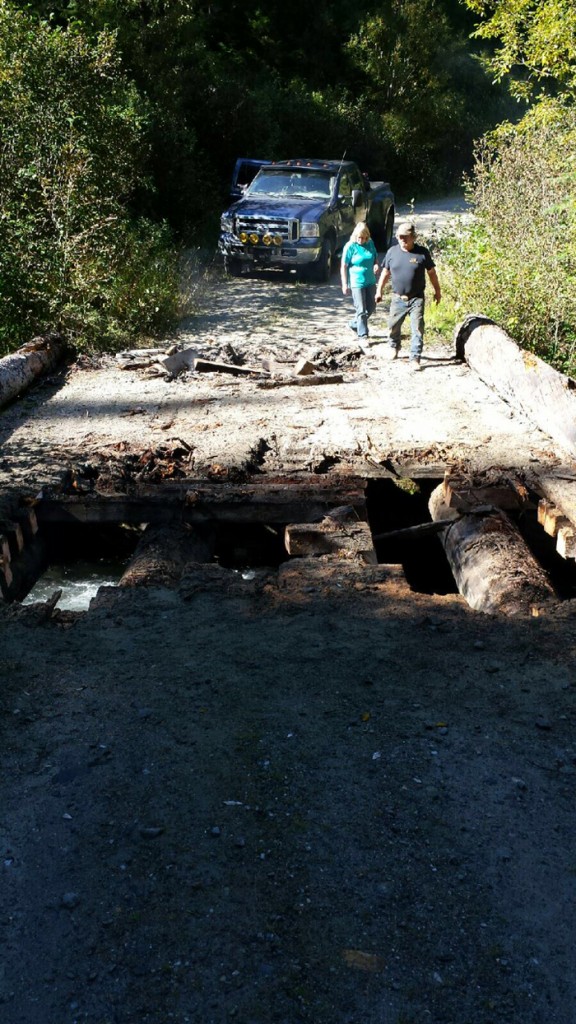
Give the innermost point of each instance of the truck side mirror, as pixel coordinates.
(357, 197)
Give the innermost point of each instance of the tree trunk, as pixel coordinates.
(522, 379)
(20, 369)
(492, 566)
(164, 552)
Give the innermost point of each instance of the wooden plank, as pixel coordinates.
(560, 490)
(5, 552)
(6, 579)
(550, 517)
(303, 382)
(207, 366)
(326, 538)
(566, 542)
(463, 495)
(26, 517)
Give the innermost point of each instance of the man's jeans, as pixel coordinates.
(399, 310)
(364, 300)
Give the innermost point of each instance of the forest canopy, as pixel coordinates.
(121, 121)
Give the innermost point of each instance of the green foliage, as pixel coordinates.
(516, 262)
(118, 115)
(535, 40)
(71, 254)
(392, 82)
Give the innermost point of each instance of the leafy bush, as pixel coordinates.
(516, 262)
(71, 253)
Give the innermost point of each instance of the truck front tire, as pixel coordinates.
(232, 266)
(321, 270)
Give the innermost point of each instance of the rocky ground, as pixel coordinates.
(304, 794)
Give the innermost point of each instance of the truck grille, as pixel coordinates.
(288, 229)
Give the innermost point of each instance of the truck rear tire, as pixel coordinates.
(378, 233)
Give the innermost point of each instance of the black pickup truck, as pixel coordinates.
(296, 214)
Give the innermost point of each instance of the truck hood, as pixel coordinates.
(300, 209)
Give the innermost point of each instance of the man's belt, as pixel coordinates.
(406, 298)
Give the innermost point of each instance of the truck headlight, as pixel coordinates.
(226, 223)
(308, 229)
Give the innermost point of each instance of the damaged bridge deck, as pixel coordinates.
(155, 440)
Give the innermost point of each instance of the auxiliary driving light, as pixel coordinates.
(277, 239)
(243, 237)
(267, 239)
(253, 239)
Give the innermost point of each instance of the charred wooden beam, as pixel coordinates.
(277, 503)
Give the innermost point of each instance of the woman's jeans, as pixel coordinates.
(399, 309)
(364, 300)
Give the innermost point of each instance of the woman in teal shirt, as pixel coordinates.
(358, 272)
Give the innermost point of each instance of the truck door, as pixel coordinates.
(359, 196)
(348, 215)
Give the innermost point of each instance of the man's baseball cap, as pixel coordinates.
(406, 228)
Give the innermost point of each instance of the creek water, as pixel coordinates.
(78, 580)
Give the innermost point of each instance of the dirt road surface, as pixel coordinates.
(308, 794)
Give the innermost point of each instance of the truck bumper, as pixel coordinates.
(288, 255)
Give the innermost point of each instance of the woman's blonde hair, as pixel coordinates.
(360, 229)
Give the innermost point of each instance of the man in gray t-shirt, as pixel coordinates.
(406, 265)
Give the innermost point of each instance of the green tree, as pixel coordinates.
(535, 41)
(420, 89)
(71, 252)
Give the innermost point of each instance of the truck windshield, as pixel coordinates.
(298, 184)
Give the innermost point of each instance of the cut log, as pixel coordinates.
(22, 368)
(163, 554)
(329, 537)
(493, 567)
(546, 396)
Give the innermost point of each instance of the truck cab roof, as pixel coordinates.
(332, 166)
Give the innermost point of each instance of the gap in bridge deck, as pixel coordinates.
(81, 556)
(395, 505)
